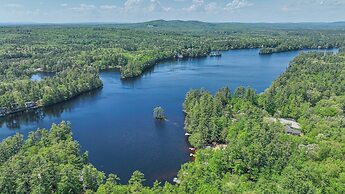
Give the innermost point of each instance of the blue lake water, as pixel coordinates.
(115, 124)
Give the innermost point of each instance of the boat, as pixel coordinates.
(187, 134)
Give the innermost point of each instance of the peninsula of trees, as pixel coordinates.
(241, 147)
(132, 48)
(250, 151)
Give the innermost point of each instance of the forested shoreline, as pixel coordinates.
(21, 95)
(249, 150)
(132, 48)
(241, 147)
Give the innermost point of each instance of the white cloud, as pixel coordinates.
(196, 4)
(108, 7)
(144, 6)
(237, 4)
(332, 2)
(64, 5)
(167, 8)
(211, 7)
(132, 4)
(14, 5)
(84, 7)
(155, 5)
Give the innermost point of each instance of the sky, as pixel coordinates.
(124, 11)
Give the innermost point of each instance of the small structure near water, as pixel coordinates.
(292, 131)
(2, 111)
(15, 108)
(29, 105)
(215, 54)
(175, 180)
(290, 122)
(291, 126)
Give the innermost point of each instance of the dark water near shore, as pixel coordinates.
(116, 126)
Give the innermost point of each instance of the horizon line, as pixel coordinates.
(141, 22)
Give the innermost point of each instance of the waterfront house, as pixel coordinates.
(215, 54)
(2, 111)
(14, 107)
(292, 131)
(30, 104)
(292, 123)
(291, 126)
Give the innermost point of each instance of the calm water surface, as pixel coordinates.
(116, 126)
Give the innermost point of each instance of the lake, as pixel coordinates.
(116, 126)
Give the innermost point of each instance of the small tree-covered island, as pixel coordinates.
(288, 139)
(159, 113)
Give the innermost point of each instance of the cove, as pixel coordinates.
(115, 123)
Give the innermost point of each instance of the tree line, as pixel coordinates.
(65, 85)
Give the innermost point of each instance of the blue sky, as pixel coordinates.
(71, 11)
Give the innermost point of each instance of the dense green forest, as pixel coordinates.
(254, 153)
(66, 84)
(241, 148)
(132, 48)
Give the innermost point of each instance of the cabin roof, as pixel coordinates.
(292, 123)
(292, 131)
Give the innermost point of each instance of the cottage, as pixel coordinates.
(292, 123)
(215, 54)
(30, 105)
(14, 107)
(2, 111)
(292, 131)
(291, 126)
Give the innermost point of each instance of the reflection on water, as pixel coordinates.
(115, 123)
(15, 121)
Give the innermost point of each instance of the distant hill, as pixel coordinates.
(179, 25)
(198, 26)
